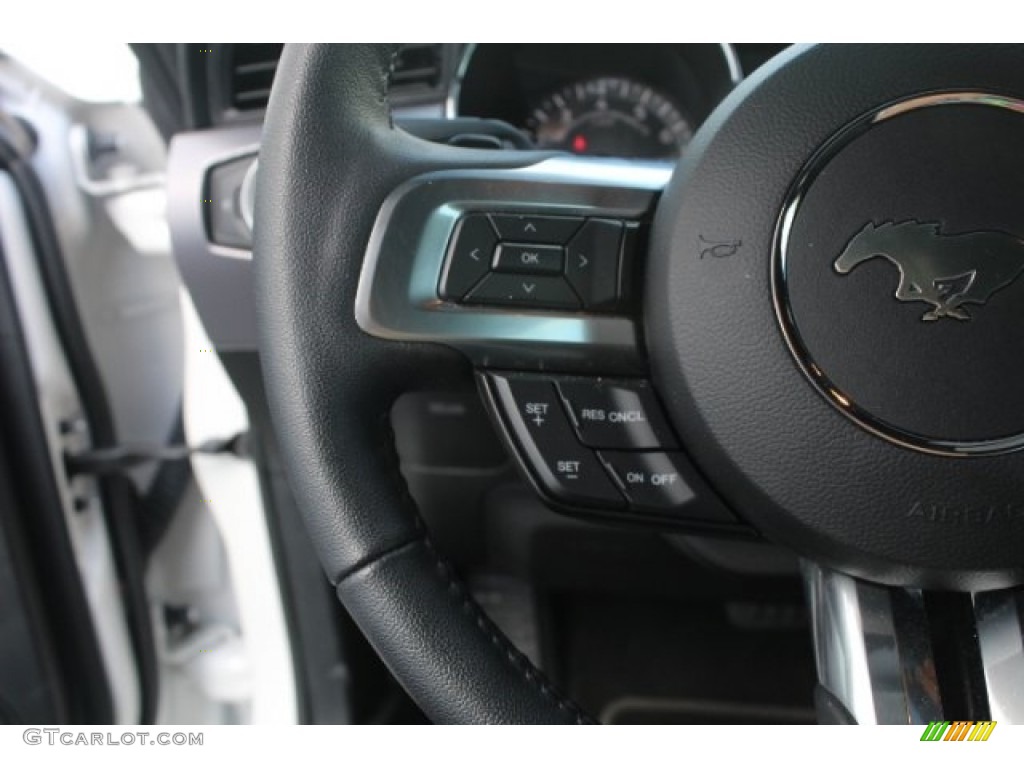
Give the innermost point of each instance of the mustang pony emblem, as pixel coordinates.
(946, 271)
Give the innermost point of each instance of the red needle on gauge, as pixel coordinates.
(579, 143)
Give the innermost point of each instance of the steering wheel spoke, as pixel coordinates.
(523, 267)
(893, 655)
(535, 274)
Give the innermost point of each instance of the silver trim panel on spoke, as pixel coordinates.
(874, 653)
(1000, 617)
(397, 297)
(872, 648)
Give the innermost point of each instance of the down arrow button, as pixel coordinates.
(592, 263)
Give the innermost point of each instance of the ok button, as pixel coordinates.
(529, 258)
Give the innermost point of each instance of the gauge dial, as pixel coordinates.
(611, 116)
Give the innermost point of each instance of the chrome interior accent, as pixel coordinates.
(397, 297)
(451, 101)
(732, 60)
(872, 648)
(247, 195)
(941, 99)
(998, 616)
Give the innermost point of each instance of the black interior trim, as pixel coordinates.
(959, 669)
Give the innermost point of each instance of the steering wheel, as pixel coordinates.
(810, 330)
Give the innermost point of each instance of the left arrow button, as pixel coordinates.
(469, 256)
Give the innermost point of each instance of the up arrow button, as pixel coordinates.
(524, 228)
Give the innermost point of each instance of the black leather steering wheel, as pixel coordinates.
(795, 438)
(330, 157)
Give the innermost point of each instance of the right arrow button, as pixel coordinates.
(592, 267)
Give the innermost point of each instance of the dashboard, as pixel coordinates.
(633, 101)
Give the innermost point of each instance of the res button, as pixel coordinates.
(611, 414)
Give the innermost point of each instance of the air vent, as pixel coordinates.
(418, 65)
(252, 72)
(253, 65)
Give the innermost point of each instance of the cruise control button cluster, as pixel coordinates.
(574, 263)
(591, 442)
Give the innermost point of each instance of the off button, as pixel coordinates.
(652, 481)
(655, 482)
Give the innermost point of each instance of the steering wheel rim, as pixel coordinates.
(339, 186)
(455, 663)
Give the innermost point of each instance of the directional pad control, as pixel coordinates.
(538, 261)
